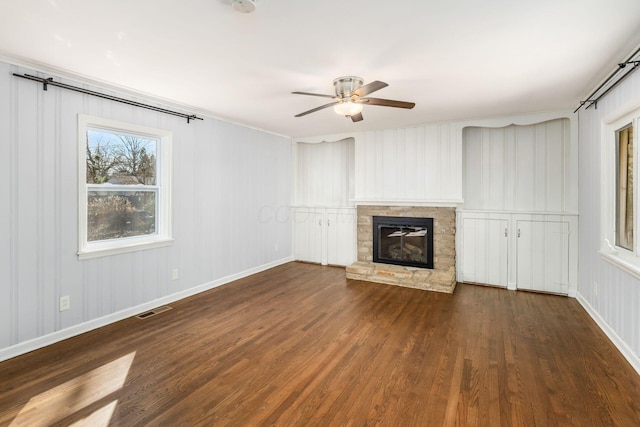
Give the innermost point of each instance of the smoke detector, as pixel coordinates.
(244, 6)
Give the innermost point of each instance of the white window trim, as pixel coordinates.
(627, 260)
(163, 235)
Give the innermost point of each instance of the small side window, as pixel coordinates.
(624, 188)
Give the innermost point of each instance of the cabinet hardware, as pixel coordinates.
(328, 223)
(518, 232)
(505, 232)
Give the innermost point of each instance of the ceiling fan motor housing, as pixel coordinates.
(345, 85)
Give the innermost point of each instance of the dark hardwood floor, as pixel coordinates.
(299, 345)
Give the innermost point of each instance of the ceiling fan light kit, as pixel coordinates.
(347, 108)
(350, 98)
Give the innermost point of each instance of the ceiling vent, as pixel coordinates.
(244, 6)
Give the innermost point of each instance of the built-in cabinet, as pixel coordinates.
(517, 227)
(520, 251)
(325, 235)
(324, 225)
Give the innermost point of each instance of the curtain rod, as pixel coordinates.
(620, 67)
(50, 81)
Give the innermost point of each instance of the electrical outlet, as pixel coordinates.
(175, 274)
(65, 303)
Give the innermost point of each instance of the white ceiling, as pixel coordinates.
(456, 59)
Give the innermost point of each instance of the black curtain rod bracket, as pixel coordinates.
(590, 102)
(592, 99)
(45, 82)
(50, 82)
(624, 64)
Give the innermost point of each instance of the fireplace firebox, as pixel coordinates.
(403, 241)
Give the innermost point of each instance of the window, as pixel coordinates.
(624, 187)
(125, 187)
(618, 193)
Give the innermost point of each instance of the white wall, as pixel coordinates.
(324, 173)
(522, 168)
(231, 192)
(423, 165)
(415, 165)
(610, 295)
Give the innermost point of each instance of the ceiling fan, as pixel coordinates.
(350, 97)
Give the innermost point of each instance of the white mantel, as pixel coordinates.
(396, 202)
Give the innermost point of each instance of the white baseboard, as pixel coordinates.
(43, 341)
(620, 344)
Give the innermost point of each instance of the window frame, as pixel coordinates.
(162, 235)
(626, 259)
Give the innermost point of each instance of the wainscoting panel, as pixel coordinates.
(231, 197)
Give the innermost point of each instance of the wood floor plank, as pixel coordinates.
(299, 345)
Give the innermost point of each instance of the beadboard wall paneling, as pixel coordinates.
(611, 295)
(420, 164)
(324, 173)
(231, 192)
(519, 168)
(7, 156)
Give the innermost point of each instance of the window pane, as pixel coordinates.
(117, 214)
(624, 188)
(120, 158)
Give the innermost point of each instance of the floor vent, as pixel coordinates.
(153, 312)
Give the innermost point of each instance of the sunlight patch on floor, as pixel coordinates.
(99, 418)
(66, 399)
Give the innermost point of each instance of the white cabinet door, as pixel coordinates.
(485, 251)
(341, 237)
(307, 230)
(325, 235)
(543, 256)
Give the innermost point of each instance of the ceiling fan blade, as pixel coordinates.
(386, 103)
(313, 94)
(357, 117)
(369, 88)
(317, 109)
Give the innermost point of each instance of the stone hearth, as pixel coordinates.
(441, 278)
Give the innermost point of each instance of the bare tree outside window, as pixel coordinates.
(135, 160)
(100, 162)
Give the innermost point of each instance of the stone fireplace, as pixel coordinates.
(441, 278)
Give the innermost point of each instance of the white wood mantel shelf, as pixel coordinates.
(394, 202)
